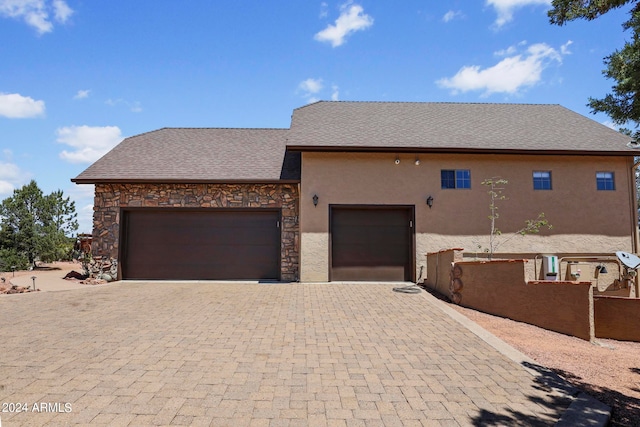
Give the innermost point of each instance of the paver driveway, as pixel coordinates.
(255, 354)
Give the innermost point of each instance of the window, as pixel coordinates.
(605, 181)
(459, 178)
(542, 180)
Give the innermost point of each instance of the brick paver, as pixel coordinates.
(233, 354)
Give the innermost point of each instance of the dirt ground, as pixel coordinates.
(609, 370)
(63, 266)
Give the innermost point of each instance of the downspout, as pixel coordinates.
(634, 204)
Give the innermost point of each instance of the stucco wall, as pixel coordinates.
(110, 198)
(498, 287)
(439, 270)
(583, 219)
(617, 318)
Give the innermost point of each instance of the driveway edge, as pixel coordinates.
(584, 409)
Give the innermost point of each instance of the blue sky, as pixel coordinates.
(78, 76)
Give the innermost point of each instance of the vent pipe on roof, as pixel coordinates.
(633, 144)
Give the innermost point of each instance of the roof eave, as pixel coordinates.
(181, 181)
(362, 149)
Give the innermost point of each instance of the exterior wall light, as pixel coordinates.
(397, 162)
(315, 200)
(601, 269)
(430, 201)
(417, 162)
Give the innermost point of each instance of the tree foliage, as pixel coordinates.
(36, 226)
(623, 66)
(532, 226)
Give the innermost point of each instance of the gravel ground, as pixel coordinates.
(609, 370)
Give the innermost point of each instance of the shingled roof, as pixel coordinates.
(273, 155)
(450, 127)
(198, 155)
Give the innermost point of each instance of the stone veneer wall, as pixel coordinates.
(109, 198)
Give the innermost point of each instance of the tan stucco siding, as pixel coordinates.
(583, 219)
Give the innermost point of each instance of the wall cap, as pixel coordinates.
(558, 282)
(444, 250)
(494, 261)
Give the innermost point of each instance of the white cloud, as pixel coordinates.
(16, 106)
(324, 10)
(83, 197)
(37, 13)
(505, 8)
(134, 107)
(82, 94)
(335, 93)
(61, 11)
(6, 188)
(11, 176)
(351, 19)
(510, 50)
(311, 85)
(9, 170)
(564, 49)
(85, 218)
(510, 75)
(311, 88)
(89, 142)
(451, 15)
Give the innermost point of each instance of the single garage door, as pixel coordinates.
(372, 243)
(181, 244)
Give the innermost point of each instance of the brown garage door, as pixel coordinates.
(201, 244)
(371, 243)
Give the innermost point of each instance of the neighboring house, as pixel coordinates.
(343, 194)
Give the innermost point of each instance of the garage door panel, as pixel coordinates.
(188, 238)
(371, 243)
(204, 245)
(375, 273)
(368, 256)
(378, 236)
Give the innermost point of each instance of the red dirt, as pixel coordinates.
(609, 370)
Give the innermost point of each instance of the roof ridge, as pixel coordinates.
(197, 128)
(214, 128)
(425, 102)
(143, 133)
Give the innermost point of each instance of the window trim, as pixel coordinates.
(455, 179)
(542, 180)
(605, 180)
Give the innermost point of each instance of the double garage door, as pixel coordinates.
(177, 244)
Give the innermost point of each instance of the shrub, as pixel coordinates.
(11, 258)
